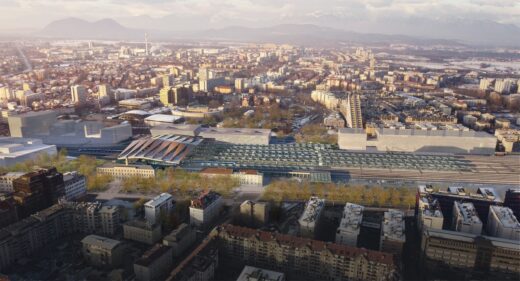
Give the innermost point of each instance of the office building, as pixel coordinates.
(310, 219)
(126, 171)
(456, 255)
(102, 252)
(503, 223)
(351, 110)
(142, 231)
(465, 218)
(92, 217)
(350, 225)
(110, 217)
(180, 239)
(254, 214)
(78, 95)
(154, 264)
(75, 185)
(159, 206)
(393, 232)
(251, 273)
(15, 150)
(205, 209)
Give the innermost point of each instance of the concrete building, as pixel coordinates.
(6, 181)
(205, 209)
(458, 255)
(453, 141)
(75, 185)
(237, 135)
(67, 133)
(180, 239)
(254, 214)
(465, 218)
(429, 214)
(503, 86)
(15, 150)
(157, 207)
(102, 252)
(179, 95)
(328, 99)
(142, 231)
(393, 232)
(512, 201)
(485, 83)
(110, 217)
(78, 95)
(334, 121)
(200, 265)
(126, 171)
(251, 273)
(104, 91)
(154, 264)
(310, 219)
(503, 223)
(350, 225)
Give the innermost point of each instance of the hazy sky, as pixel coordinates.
(218, 13)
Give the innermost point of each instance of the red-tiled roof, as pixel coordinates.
(314, 245)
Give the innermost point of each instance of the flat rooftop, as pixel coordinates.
(313, 209)
(352, 217)
(505, 216)
(159, 200)
(100, 241)
(393, 225)
(250, 273)
(467, 212)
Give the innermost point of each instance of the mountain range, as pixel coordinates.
(305, 34)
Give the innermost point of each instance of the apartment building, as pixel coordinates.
(180, 239)
(154, 264)
(102, 252)
(503, 223)
(460, 255)
(75, 185)
(392, 232)
(465, 218)
(205, 208)
(350, 225)
(310, 219)
(301, 258)
(158, 206)
(142, 231)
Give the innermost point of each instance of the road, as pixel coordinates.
(28, 66)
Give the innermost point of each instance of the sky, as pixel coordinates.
(178, 14)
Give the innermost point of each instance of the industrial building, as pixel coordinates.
(448, 141)
(465, 218)
(164, 149)
(67, 133)
(157, 207)
(310, 219)
(15, 150)
(350, 225)
(226, 135)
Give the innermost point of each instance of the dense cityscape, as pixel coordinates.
(227, 160)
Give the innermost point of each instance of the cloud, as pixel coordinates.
(337, 13)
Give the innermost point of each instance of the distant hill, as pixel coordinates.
(74, 28)
(308, 34)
